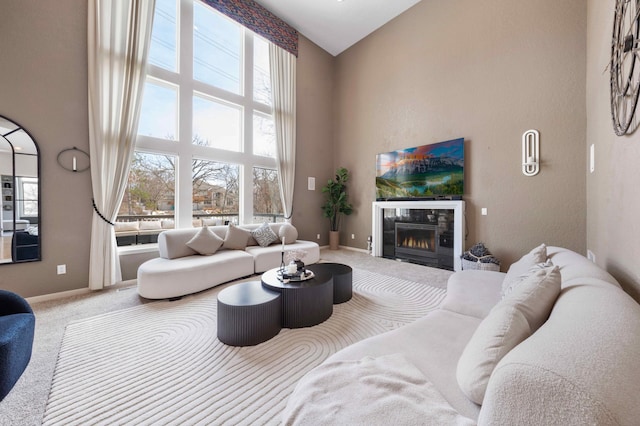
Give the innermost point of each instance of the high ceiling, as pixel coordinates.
(336, 25)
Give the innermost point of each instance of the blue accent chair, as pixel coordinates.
(17, 326)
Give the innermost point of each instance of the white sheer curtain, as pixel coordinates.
(283, 89)
(118, 43)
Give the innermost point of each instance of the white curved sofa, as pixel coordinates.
(180, 270)
(581, 366)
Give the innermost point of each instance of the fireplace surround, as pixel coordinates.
(429, 233)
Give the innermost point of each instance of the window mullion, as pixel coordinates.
(246, 204)
(184, 190)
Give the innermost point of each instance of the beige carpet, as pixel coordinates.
(161, 363)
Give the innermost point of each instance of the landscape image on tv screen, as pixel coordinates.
(427, 171)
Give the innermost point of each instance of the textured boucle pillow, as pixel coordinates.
(288, 233)
(511, 285)
(236, 238)
(519, 268)
(502, 330)
(519, 314)
(264, 235)
(205, 242)
(535, 294)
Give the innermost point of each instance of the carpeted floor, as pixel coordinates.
(25, 405)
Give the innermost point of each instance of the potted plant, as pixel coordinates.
(336, 204)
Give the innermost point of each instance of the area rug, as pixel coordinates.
(161, 363)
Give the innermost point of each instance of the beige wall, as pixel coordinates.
(485, 71)
(314, 153)
(43, 86)
(613, 204)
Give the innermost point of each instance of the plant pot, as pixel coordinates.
(334, 240)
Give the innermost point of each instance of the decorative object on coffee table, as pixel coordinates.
(248, 314)
(304, 303)
(342, 280)
(336, 204)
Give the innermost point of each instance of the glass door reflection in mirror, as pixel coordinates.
(20, 239)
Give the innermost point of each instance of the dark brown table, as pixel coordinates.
(248, 314)
(342, 279)
(304, 303)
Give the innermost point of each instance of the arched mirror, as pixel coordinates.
(19, 176)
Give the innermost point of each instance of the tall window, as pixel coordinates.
(206, 139)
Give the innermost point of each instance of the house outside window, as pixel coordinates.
(206, 137)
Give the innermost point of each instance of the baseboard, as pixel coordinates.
(120, 285)
(59, 295)
(354, 249)
(348, 248)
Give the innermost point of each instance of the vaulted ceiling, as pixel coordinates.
(336, 25)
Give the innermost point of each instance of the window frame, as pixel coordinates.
(182, 147)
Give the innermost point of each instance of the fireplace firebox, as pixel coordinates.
(423, 232)
(416, 241)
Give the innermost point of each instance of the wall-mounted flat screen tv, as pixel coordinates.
(424, 172)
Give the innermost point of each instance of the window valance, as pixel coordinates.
(259, 20)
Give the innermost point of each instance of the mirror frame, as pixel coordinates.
(14, 247)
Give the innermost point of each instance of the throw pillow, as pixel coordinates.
(536, 294)
(288, 232)
(519, 268)
(236, 238)
(205, 242)
(502, 330)
(509, 288)
(264, 235)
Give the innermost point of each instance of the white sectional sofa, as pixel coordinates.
(569, 355)
(181, 270)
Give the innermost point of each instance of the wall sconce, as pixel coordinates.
(74, 159)
(530, 152)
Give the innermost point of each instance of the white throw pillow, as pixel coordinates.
(536, 294)
(509, 288)
(205, 242)
(519, 268)
(502, 330)
(264, 235)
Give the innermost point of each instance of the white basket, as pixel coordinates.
(489, 266)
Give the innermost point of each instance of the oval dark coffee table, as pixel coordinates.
(248, 314)
(342, 279)
(304, 303)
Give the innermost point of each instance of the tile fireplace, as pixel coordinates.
(429, 233)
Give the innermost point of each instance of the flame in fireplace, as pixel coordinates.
(414, 243)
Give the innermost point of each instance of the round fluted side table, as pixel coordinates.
(248, 314)
(304, 303)
(342, 279)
